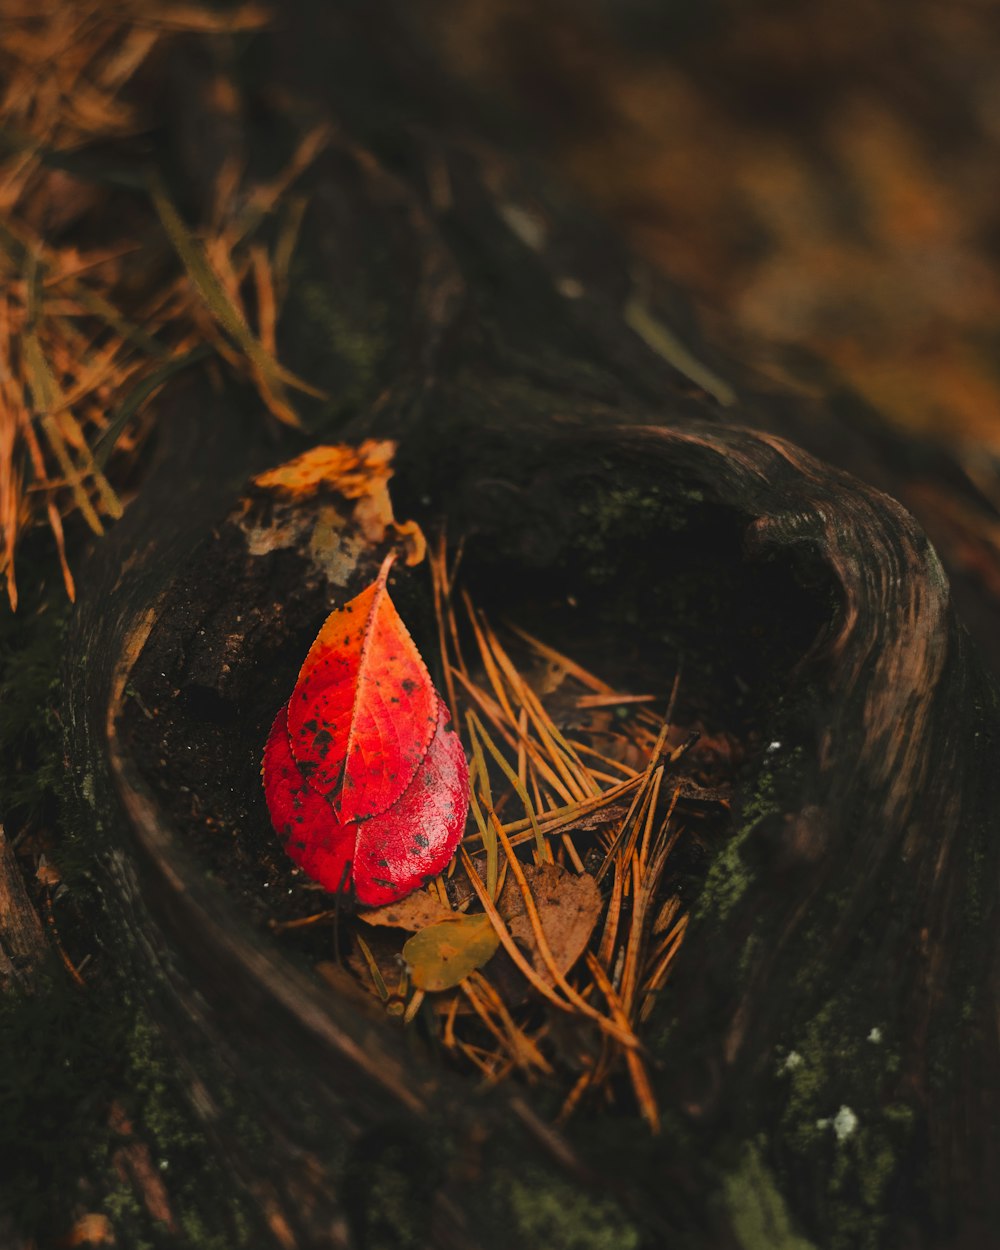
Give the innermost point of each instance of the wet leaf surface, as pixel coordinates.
(366, 785)
(363, 711)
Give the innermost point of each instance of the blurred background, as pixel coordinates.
(822, 178)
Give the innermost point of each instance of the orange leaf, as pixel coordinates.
(363, 712)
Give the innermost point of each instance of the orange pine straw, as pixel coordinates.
(439, 586)
(621, 1034)
(636, 1068)
(571, 667)
(634, 957)
(78, 333)
(494, 714)
(575, 1094)
(543, 943)
(523, 1051)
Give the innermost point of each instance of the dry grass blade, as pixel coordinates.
(197, 20)
(558, 748)
(376, 975)
(440, 590)
(541, 845)
(264, 198)
(575, 670)
(270, 375)
(85, 334)
(658, 976)
(624, 1036)
(12, 512)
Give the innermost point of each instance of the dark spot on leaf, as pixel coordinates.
(421, 840)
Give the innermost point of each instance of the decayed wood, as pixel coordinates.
(866, 843)
(827, 1056)
(22, 938)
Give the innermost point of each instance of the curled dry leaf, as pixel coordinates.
(354, 472)
(414, 912)
(442, 955)
(359, 473)
(365, 784)
(568, 908)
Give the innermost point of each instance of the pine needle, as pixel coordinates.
(88, 334)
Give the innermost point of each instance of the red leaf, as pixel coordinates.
(415, 839)
(389, 855)
(366, 786)
(363, 712)
(303, 819)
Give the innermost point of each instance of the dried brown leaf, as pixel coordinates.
(568, 907)
(414, 912)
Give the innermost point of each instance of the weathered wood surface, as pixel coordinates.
(22, 939)
(828, 1057)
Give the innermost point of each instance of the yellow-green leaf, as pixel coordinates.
(442, 955)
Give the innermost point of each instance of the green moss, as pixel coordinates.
(340, 344)
(127, 1215)
(553, 1213)
(389, 1182)
(730, 876)
(65, 1056)
(838, 1126)
(756, 1209)
(619, 514)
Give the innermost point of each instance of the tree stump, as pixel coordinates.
(827, 1055)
